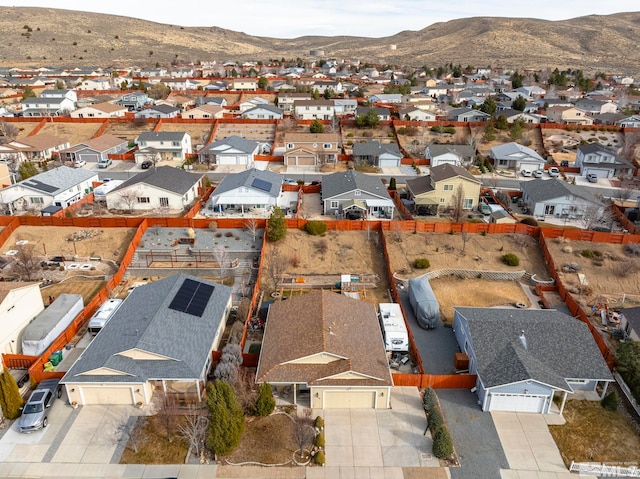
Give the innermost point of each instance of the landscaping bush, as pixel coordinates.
(421, 263)
(265, 403)
(628, 366)
(315, 227)
(429, 399)
(610, 402)
(436, 129)
(436, 421)
(510, 259)
(277, 225)
(227, 421)
(529, 221)
(402, 130)
(319, 440)
(442, 444)
(449, 129)
(319, 458)
(10, 398)
(255, 348)
(592, 254)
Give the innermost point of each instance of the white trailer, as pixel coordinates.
(50, 324)
(394, 329)
(100, 193)
(103, 315)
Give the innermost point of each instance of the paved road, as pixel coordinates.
(474, 435)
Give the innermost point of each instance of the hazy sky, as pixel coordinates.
(373, 18)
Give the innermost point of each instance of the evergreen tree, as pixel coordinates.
(489, 132)
(265, 404)
(502, 123)
(489, 106)
(11, 398)
(226, 425)
(516, 130)
(519, 103)
(316, 127)
(277, 225)
(392, 183)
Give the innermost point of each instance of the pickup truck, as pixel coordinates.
(35, 412)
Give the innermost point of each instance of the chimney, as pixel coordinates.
(523, 339)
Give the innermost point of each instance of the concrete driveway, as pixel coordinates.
(529, 446)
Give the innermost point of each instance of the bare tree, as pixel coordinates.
(27, 262)
(322, 247)
(626, 190)
(275, 267)
(596, 214)
(625, 268)
(222, 258)
(8, 132)
(303, 433)
(128, 198)
(245, 390)
(193, 428)
(251, 226)
(131, 433)
(465, 236)
(457, 212)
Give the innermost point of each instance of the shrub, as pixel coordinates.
(628, 365)
(436, 421)
(315, 227)
(421, 263)
(449, 129)
(429, 399)
(319, 422)
(277, 225)
(228, 234)
(402, 130)
(319, 440)
(442, 444)
(11, 400)
(319, 458)
(510, 259)
(610, 402)
(592, 254)
(227, 421)
(436, 129)
(529, 221)
(349, 135)
(265, 403)
(255, 348)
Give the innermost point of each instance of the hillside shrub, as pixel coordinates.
(591, 254)
(421, 263)
(510, 259)
(402, 130)
(442, 443)
(436, 129)
(529, 220)
(449, 129)
(315, 227)
(628, 366)
(610, 402)
(265, 403)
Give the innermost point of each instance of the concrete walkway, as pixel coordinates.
(529, 447)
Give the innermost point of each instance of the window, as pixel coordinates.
(327, 146)
(175, 154)
(468, 203)
(357, 193)
(441, 200)
(38, 200)
(175, 143)
(164, 202)
(290, 146)
(143, 199)
(549, 209)
(334, 204)
(448, 187)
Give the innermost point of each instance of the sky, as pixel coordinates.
(294, 18)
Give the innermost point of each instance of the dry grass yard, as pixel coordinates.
(530, 138)
(73, 132)
(129, 130)
(198, 132)
(87, 287)
(25, 128)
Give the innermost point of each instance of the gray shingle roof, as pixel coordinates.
(247, 178)
(515, 151)
(57, 180)
(234, 141)
(375, 148)
(271, 108)
(558, 347)
(465, 151)
(171, 179)
(543, 190)
(343, 182)
(166, 109)
(161, 136)
(145, 322)
(447, 170)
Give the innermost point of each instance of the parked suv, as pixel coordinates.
(104, 162)
(592, 178)
(553, 172)
(35, 412)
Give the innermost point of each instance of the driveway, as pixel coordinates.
(528, 446)
(474, 436)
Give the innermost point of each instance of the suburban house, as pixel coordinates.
(314, 109)
(263, 112)
(413, 113)
(596, 107)
(50, 103)
(163, 187)
(345, 106)
(384, 114)
(158, 111)
(168, 348)
(632, 121)
(356, 195)
(599, 160)
(20, 303)
(255, 191)
(135, 100)
(233, 150)
(568, 115)
(514, 156)
(334, 357)
(38, 147)
(246, 84)
(285, 100)
(434, 192)
(466, 114)
(100, 110)
(99, 83)
(457, 155)
(60, 186)
(96, 149)
(516, 115)
(630, 323)
(332, 86)
(311, 149)
(251, 103)
(385, 98)
(526, 358)
(554, 197)
(204, 112)
(162, 145)
(377, 154)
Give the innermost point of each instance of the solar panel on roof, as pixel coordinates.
(192, 297)
(41, 186)
(261, 184)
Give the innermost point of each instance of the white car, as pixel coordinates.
(537, 173)
(553, 172)
(79, 163)
(525, 172)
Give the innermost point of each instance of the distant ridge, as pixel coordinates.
(46, 36)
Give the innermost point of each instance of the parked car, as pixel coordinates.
(35, 412)
(525, 172)
(553, 172)
(537, 173)
(79, 163)
(592, 178)
(145, 165)
(354, 214)
(289, 181)
(105, 162)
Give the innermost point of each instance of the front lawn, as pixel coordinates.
(150, 444)
(593, 434)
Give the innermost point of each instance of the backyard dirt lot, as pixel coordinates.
(25, 128)
(531, 138)
(87, 287)
(109, 243)
(128, 129)
(74, 133)
(198, 132)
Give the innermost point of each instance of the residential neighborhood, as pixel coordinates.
(248, 237)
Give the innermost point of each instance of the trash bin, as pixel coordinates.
(54, 359)
(58, 353)
(514, 199)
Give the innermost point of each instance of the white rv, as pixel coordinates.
(103, 315)
(394, 329)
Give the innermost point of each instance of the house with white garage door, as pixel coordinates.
(332, 356)
(96, 149)
(595, 159)
(377, 154)
(161, 338)
(251, 191)
(526, 358)
(233, 150)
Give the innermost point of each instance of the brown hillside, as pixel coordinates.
(592, 43)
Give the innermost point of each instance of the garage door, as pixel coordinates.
(600, 173)
(387, 163)
(302, 161)
(107, 395)
(89, 157)
(349, 399)
(227, 160)
(516, 402)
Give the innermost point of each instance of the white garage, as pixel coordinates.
(349, 399)
(105, 395)
(517, 403)
(599, 172)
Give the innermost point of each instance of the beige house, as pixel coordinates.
(435, 192)
(20, 303)
(204, 112)
(334, 356)
(100, 110)
(6, 177)
(568, 115)
(311, 149)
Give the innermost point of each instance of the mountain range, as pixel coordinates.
(66, 38)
